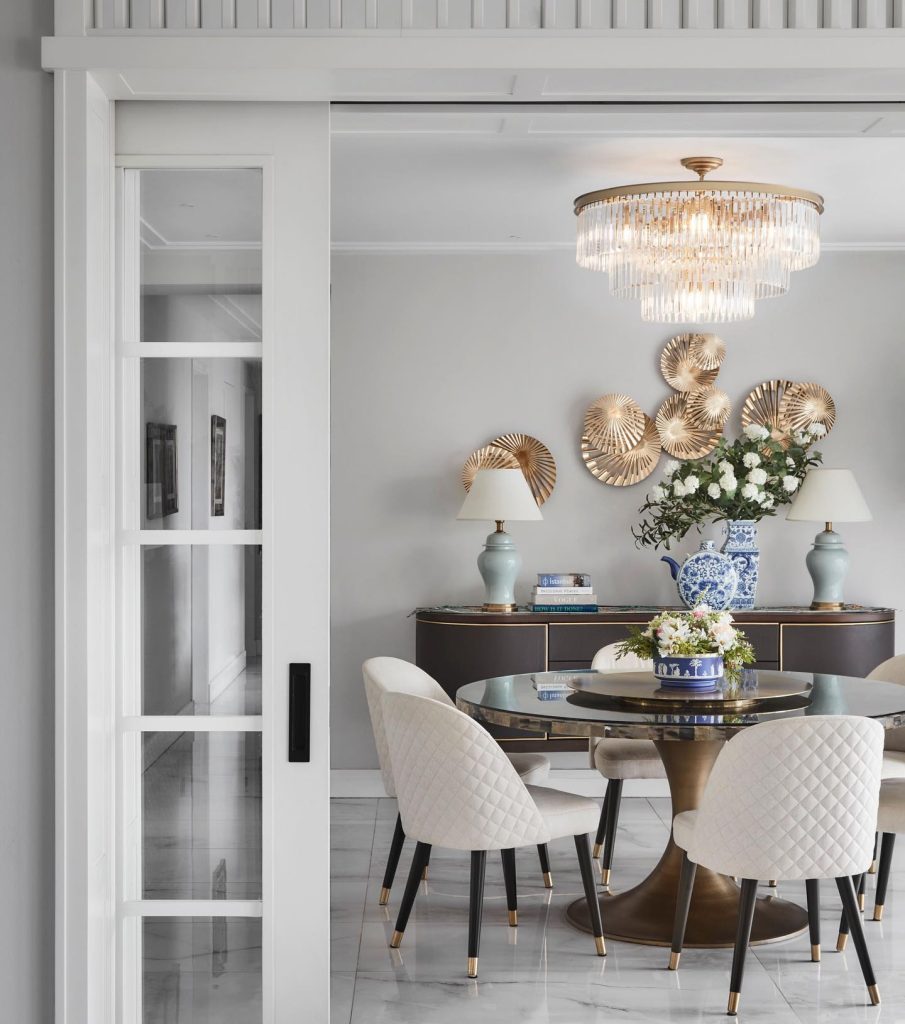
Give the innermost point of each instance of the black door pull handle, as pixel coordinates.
(299, 711)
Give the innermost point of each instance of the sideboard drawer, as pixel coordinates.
(765, 640)
(580, 641)
(852, 649)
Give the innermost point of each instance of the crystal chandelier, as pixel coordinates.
(698, 251)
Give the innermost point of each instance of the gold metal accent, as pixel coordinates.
(654, 188)
(874, 994)
(772, 883)
(513, 919)
(500, 609)
(629, 468)
(679, 434)
(732, 1007)
(488, 457)
(425, 872)
(861, 901)
(674, 961)
(614, 423)
(706, 350)
(600, 942)
(548, 880)
(841, 941)
(878, 912)
(396, 940)
(598, 849)
(472, 967)
(803, 405)
(872, 870)
(708, 408)
(384, 896)
(535, 461)
(605, 876)
(762, 406)
(815, 953)
(701, 165)
(680, 369)
(827, 606)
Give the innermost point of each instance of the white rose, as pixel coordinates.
(678, 489)
(758, 476)
(790, 483)
(658, 493)
(751, 460)
(726, 467)
(749, 490)
(817, 429)
(790, 462)
(713, 490)
(768, 501)
(670, 467)
(728, 482)
(691, 484)
(762, 498)
(801, 438)
(755, 432)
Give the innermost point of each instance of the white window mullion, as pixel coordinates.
(192, 723)
(196, 537)
(192, 908)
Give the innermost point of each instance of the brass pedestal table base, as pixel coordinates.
(645, 914)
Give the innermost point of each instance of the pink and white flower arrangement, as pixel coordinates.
(686, 634)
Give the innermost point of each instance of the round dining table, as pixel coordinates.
(688, 735)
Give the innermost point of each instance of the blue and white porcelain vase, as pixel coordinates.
(741, 547)
(697, 672)
(706, 577)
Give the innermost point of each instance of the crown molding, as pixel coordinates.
(519, 248)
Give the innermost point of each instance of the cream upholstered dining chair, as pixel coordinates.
(794, 799)
(619, 759)
(393, 675)
(457, 789)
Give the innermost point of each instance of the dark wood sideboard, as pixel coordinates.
(458, 645)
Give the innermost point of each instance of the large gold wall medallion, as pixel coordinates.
(614, 423)
(709, 408)
(679, 434)
(706, 350)
(762, 406)
(629, 467)
(804, 405)
(534, 460)
(488, 457)
(679, 368)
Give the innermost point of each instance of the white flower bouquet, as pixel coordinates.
(686, 634)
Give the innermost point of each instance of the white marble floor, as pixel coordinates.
(545, 971)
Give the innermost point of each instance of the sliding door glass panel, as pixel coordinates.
(199, 444)
(200, 239)
(201, 629)
(201, 816)
(198, 970)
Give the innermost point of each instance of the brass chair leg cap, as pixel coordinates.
(598, 849)
(396, 940)
(384, 896)
(472, 967)
(878, 912)
(732, 1008)
(548, 880)
(772, 883)
(872, 870)
(874, 994)
(513, 919)
(674, 961)
(605, 876)
(861, 901)
(841, 941)
(601, 945)
(425, 872)
(815, 953)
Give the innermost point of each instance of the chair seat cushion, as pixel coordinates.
(893, 764)
(565, 814)
(533, 769)
(891, 816)
(683, 827)
(628, 759)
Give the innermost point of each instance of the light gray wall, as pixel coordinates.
(26, 515)
(434, 355)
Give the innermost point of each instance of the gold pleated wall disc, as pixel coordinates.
(763, 406)
(706, 350)
(679, 435)
(679, 369)
(614, 423)
(488, 457)
(709, 408)
(535, 461)
(628, 468)
(803, 405)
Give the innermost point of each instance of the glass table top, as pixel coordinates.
(513, 701)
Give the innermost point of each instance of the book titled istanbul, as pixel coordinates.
(563, 579)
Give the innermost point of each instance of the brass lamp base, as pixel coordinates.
(500, 609)
(827, 606)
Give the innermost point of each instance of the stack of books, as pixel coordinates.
(563, 592)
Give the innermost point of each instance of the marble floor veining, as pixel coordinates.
(544, 970)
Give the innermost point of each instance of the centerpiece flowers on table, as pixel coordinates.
(690, 650)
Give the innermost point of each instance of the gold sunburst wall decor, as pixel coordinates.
(614, 423)
(706, 350)
(627, 468)
(679, 434)
(709, 408)
(515, 451)
(762, 406)
(806, 405)
(680, 367)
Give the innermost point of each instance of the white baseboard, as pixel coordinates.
(225, 676)
(358, 783)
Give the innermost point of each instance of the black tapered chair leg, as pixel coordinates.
(812, 886)
(886, 848)
(508, 859)
(683, 903)
(544, 855)
(613, 800)
(843, 920)
(392, 862)
(601, 825)
(746, 902)
(856, 927)
(426, 868)
(872, 870)
(475, 906)
(583, 849)
(422, 852)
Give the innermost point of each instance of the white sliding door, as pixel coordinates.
(221, 370)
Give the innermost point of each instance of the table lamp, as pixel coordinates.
(499, 494)
(828, 496)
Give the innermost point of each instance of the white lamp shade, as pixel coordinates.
(501, 494)
(830, 496)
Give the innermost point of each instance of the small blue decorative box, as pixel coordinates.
(697, 672)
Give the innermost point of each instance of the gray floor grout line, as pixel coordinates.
(364, 907)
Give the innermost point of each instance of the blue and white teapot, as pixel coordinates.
(706, 577)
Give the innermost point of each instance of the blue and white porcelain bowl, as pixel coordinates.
(698, 672)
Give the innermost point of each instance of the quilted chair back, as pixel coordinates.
(793, 799)
(892, 671)
(393, 675)
(605, 660)
(456, 788)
